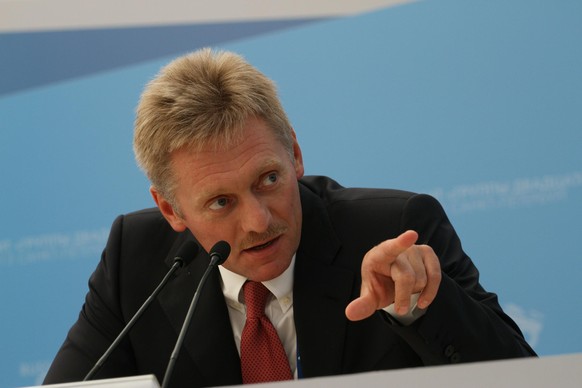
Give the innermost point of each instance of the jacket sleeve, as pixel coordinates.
(99, 322)
(464, 323)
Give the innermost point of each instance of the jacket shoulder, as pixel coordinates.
(332, 192)
(377, 212)
(357, 203)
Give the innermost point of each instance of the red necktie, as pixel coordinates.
(261, 352)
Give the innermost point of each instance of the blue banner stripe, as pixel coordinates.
(30, 60)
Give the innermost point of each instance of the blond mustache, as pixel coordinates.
(253, 239)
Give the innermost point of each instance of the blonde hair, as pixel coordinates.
(201, 100)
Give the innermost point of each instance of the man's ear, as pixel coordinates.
(173, 218)
(299, 169)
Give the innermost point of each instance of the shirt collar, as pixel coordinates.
(281, 286)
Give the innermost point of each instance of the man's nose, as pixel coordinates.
(255, 215)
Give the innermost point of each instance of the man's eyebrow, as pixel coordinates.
(209, 193)
(268, 165)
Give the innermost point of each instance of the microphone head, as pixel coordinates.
(220, 251)
(187, 253)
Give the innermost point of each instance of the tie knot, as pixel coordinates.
(255, 298)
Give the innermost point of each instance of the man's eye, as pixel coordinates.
(270, 179)
(219, 203)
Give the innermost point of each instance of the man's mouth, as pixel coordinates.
(262, 246)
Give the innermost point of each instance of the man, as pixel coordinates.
(360, 279)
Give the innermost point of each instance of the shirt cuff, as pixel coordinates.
(411, 316)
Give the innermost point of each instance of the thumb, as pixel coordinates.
(401, 243)
(387, 251)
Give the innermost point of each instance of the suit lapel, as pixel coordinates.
(209, 342)
(320, 294)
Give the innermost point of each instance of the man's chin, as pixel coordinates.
(268, 271)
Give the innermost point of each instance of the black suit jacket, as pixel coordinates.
(465, 323)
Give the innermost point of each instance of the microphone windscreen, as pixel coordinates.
(187, 252)
(222, 250)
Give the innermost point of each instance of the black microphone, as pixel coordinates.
(185, 255)
(218, 255)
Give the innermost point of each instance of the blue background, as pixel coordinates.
(476, 102)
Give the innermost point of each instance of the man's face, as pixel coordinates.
(247, 195)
